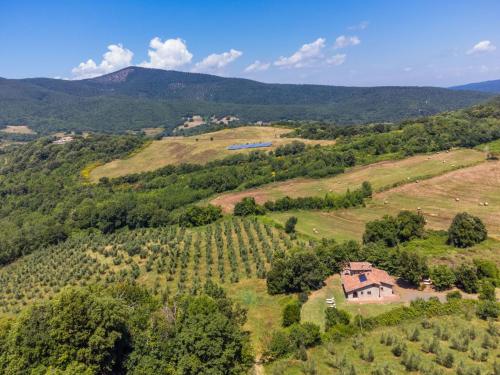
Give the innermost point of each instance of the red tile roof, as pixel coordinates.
(360, 266)
(374, 277)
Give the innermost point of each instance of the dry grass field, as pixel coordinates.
(17, 129)
(381, 175)
(195, 149)
(439, 199)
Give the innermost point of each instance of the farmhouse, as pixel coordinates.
(362, 281)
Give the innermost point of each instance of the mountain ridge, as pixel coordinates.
(490, 86)
(134, 98)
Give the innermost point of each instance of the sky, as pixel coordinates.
(350, 43)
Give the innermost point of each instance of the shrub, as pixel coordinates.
(336, 316)
(247, 206)
(442, 277)
(290, 224)
(487, 309)
(279, 345)
(450, 296)
(307, 334)
(466, 278)
(487, 291)
(466, 230)
(291, 314)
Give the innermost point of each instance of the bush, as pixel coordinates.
(307, 335)
(466, 230)
(466, 278)
(487, 291)
(450, 296)
(247, 206)
(279, 345)
(291, 314)
(487, 309)
(410, 225)
(442, 277)
(335, 317)
(290, 224)
(195, 216)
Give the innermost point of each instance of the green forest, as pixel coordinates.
(122, 276)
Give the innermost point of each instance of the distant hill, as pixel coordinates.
(135, 98)
(485, 86)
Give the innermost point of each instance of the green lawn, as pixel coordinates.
(314, 309)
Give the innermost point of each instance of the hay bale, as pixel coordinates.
(481, 203)
(385, 202)
(419, 209)
(485, 203)
(457, 199)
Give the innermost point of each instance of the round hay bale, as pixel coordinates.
(419, 209)
(481, 203)
(385, 202)
(485, 203)
(457, 199)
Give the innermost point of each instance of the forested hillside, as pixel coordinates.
(485, 86)
(136, 98)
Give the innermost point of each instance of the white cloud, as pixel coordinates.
(360, 26)
(306, 55)
(481, 47)
(346, 41)
(170, 54)
(338, 59)
(408, 69)
(257, 66)
(216, 61)
(116, 58)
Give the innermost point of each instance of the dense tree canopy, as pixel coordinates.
(466, 230)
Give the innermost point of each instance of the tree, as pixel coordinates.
(298, 272)
(367, 189)
(77, 327)
(291, 313)
(487, 309)
(290, 224)
(208, 339)
(410, 225)
(384, 230)
(466, 230)
(466, 276)
(247, 206)
(412, 267)
(195, 216)
(442, 277)
(486, 269)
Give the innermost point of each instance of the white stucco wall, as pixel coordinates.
(371, 292)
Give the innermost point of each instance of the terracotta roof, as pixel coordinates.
(375, 276)
(360, 266)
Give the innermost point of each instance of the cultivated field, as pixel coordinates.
(17, 129)
(439, 199)
(381, 175)
(195, 149)
(465, 341)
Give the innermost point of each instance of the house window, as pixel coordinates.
(381, 288)
(370, 292)
(361, 293)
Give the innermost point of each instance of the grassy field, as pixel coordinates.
(195, 149)
(439, 199)
(17, 129)
(326, 359)
(381, 175)
(264, 310)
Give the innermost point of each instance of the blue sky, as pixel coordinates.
(359, 43)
